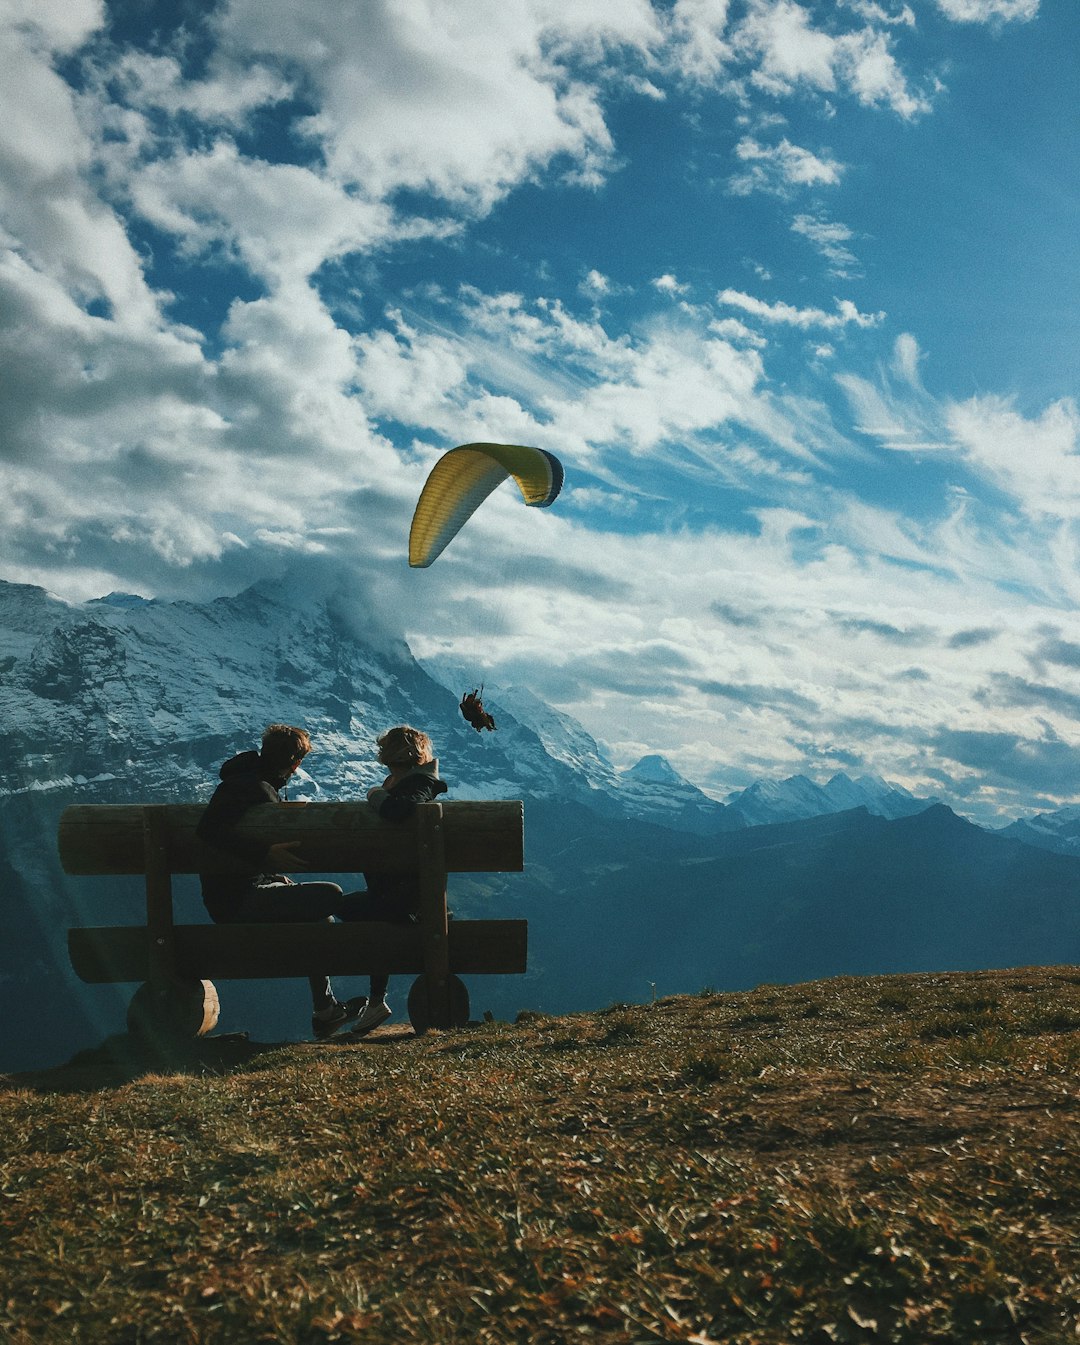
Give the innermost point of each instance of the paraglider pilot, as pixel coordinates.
(472, 707)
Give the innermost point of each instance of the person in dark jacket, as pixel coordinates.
(413, 778)
(261, 894)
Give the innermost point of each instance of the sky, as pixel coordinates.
(790, 289)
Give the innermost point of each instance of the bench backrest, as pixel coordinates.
(476, 837)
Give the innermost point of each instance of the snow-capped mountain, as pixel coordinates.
(1058, 831)
(768, 801)
(628, 872)
(651, 791)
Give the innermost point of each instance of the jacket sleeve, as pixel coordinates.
(398, 803)
(228, 805)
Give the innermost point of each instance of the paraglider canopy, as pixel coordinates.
(462, 480)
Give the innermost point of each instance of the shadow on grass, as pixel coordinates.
(123, 1058)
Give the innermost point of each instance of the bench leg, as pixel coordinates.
(435, 1004)
(170, 1008)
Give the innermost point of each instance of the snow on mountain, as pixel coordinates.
(1058, 831)
(655, 769)
(651, 791)
(767, 801)
(878, 796)
(120, 699)
(564, 739)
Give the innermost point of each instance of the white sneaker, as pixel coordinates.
(374, 1014)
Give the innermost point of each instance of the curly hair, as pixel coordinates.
(405, 746)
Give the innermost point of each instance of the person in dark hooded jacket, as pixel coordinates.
(262, 894)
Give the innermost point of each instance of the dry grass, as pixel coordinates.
(882, 1159)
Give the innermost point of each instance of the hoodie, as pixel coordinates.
(244, 784)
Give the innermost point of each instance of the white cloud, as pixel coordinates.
(781, 168)
(785, 314)
(1037, 461)
(463, 101)
(668, 284)
(875, 77)
(731, 329)
(989, 11)
(595, 285)
(790, 53)
(701, 50)
(59, 26)
(904, 418)
(60, 224)
(150, 81)
(876, 13)
(831, 239)
(282, 220)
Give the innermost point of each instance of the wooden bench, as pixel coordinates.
(179, 963)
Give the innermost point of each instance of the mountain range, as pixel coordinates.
(637, 882)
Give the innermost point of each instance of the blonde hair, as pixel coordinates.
(405, 746)
(283, 745)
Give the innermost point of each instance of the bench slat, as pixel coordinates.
(248, 952)
(479, 837)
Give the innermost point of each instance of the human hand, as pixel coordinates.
(283, 854)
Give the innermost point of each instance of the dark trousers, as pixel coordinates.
(289, 903)
(296, 903)
(376, 906)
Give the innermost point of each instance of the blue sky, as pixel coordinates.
(791, 289)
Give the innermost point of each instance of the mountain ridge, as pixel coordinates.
(632, 877)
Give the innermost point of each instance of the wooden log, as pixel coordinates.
(479, 837)
(159, 907)
(433, 918)
(455, 1012)
(253, 952)
(168, 1009)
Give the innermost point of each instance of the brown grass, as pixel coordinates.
(882, 1159)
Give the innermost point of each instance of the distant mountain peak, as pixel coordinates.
(657, 769)
(117, 599)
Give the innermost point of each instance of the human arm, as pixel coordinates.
(399, 801)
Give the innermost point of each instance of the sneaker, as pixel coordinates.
(372, 1016)
(325, 1022)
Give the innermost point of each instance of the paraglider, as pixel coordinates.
(462, 480)
(472, 707)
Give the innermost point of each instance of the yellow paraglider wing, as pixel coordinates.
(462, 480)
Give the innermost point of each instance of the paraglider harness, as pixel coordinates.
(472, 707)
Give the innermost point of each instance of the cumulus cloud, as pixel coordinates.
(698, 29)
(62, 228)
(667, 284)
(789, 53)
(390, 83)
(138, 452)
(780, 169)
(1036, 460)
(784, 314)
(280, 220)
(151, 81)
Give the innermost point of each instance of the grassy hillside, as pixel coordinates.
(882, 1159)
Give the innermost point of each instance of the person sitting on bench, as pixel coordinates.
(413, 778)
(262, 895)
